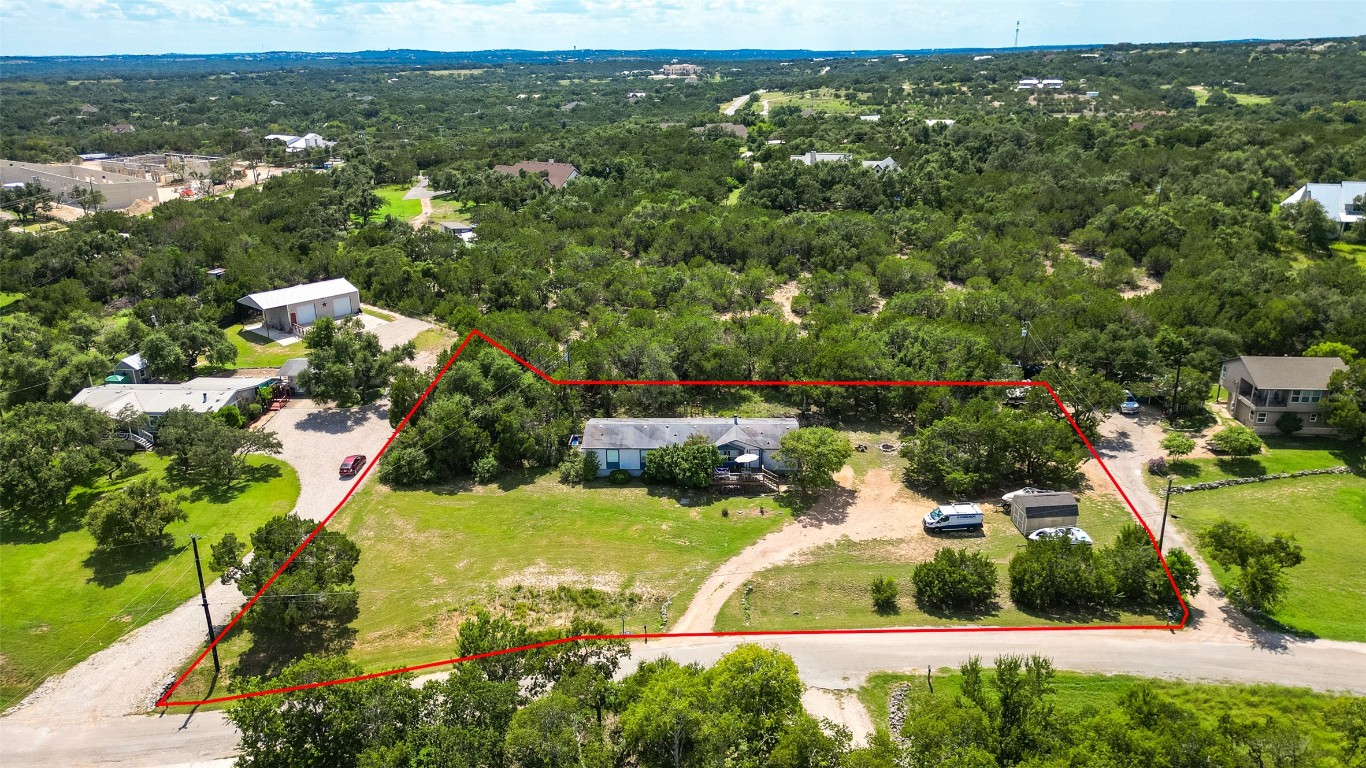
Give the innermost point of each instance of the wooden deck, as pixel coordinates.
(739, 481)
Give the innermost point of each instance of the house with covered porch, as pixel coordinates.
(1261, 389)
(626, 443)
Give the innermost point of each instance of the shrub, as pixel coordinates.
(1158, 466)
(1055, 574)
(688, 465)
(1133, 563)
(1289, 423)
(955, 580)
(618, 477)
(486, 469)
(885, 593)
(1238, 440)
(1177, 444)
(1184, 572)
(232, 417)
(591, 465)
(405, 466)
(571, 469)
(254, 411)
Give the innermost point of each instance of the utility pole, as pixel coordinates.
(1176, 387)
(1166, 503)
(194, 542)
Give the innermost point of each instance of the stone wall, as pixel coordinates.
(1259, 479)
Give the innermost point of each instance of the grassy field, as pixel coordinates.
(1202, 96)
(820, 99)
(1327, 514)
(1282, 454)
(63, 603)
(395, 205)
(537, 550)
(1357, 252)
(256, 351)
(828, 588)
(7, 299)
(451, 210)
(1075, 692)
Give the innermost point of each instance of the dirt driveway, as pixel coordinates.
(881, 508)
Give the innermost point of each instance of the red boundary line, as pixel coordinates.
(164, 700)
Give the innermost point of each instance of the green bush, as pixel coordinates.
(405, 466)
(688, 465)
(1289, 423)
(1054, 574)
(486, 469)
(571, 469)
(885, 593)
(618, 477)
(232, 417)
(1238, 440)
(1177, 444)
(955, 580)
(591, 465)
(254, 411)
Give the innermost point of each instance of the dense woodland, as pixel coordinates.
(1043, 234)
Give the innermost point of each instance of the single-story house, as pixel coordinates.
(129, 370)
(289, 309)
(1032, 511)
(813, 157)
(300, 143)
(1260, 389)
(881, 166)
(456, 228)
(1338, 200)
(555, 174)
(202, 395)
(626, 443)
(735, 129)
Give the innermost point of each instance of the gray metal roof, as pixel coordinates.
(1336, 199)
(204, 395)
(1052, 504)
(657, 433)
(293, 367)
(1290, 372)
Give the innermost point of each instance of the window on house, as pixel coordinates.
(1313, 417)
(1306, 395)
(1261, 417)
(613, 458)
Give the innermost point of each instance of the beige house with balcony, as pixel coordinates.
(1260, 389)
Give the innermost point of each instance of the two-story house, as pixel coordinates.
(1260, 389)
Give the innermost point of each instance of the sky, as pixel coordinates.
(98, 27)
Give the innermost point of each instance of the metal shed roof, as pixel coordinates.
(1055, 504)
(298, 294)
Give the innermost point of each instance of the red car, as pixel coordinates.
(351, 465)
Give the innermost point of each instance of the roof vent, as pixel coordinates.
(736, 417)
(206, 397)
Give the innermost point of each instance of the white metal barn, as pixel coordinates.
(290, 309)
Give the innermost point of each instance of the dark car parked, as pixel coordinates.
(351, 465)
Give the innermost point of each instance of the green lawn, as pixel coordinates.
(1281, 454)
(1075, 692)
(62, 603)
(430, 557)
(7, 299)
(395, 205)
(1202, 96)
(828, 588)
(444, 209)
(385, 316)
(256, 351)
(1327, 514)
(1357, 252)
(820, 99)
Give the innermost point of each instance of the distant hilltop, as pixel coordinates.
(21, 67)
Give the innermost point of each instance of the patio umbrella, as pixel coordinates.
(746, 458)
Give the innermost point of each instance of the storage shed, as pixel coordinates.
(292, 309)
(1032, 511)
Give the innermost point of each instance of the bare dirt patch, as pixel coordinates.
(783, 296)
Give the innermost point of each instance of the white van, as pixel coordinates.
(954, 517)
